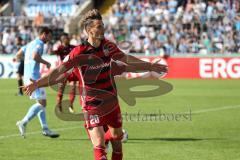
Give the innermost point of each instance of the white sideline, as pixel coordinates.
(216, 109)
(69, 128)
(39, 132)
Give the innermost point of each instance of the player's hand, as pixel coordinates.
(30, 88)
(159, 68)
(48, 65)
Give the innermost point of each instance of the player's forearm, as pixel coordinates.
(54, 77)
(39, 59)
(131, 68)
(18, 58)
(19, 55)
(43, 82)
(43, 61)
(136, 65)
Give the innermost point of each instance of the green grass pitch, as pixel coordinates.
(213, 133)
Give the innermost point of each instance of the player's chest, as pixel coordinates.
(96, 61)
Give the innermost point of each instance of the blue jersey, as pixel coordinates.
(31, 67)
(23, 48)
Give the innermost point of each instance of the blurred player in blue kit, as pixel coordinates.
(32, 58)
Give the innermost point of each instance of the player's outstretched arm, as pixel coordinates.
(136, 65)
(55, 76)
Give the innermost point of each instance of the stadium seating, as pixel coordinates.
(154, 27)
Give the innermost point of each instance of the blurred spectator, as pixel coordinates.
(13, 20)
(14, 26)
(38, 20)
(6, 38)
(180, 26)
(23, 20)
(58, 22)
(154, 27)
(25, 34)
(74, 41)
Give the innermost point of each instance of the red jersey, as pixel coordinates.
(116, 69)
(62, 51)
(93, 69)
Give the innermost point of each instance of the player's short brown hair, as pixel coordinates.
(44, 30)
(91, 15)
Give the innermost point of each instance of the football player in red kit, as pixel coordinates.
(117, 68)
(62, 51)
(100, 104)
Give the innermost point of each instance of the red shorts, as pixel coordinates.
(112, 119)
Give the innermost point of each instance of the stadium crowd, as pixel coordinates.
(177, 26)
(26, 28)
(153, 26)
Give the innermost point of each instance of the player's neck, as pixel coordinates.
(94, 42)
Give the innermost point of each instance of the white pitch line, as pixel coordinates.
(69, 128)
(192, 112)
(215, 109)
(38, 132)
